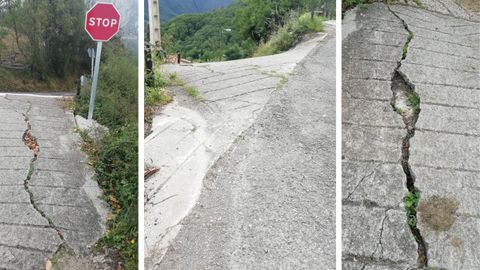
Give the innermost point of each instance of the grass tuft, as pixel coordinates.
(414, 101)
(193, 92)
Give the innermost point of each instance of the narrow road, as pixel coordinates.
(47, 198)
(394, 143)
(269, 201)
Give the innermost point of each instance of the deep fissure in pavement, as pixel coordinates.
(406, 102)
(31, 142)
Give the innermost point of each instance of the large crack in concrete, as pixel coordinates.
(406, 102)
(32, 143)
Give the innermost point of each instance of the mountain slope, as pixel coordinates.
(172, 8)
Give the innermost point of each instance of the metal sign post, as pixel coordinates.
(102, 22)
(95, 80)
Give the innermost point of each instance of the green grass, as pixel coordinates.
(414, 101)
(115, 158)
(172, 76)
(117, 173)
(156, 94)
(349, 4)
(410, 202)
(405, 46)
(290, 34)
(419, 3)
(193, 92)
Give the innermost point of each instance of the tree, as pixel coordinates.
(63, 35)
(49, 34)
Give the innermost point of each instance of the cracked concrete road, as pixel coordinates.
(48, 201)
(268, 201)
(442, 64)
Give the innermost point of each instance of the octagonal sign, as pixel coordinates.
(102, 21)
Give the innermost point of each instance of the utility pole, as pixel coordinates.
(154, 18)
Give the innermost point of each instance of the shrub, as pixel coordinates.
(306, 24)
(117, 173)
(156, 96)
(234, 52)
(290, 34)
(116, 102)
(115, 158)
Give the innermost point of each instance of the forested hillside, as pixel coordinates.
(44, 40)
(237, 31)
(171, 8)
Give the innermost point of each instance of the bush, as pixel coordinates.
(234, 52)
(306, 24)
(116, 102)
(290, 34)
(117, 173)
(156, 93)
(156, 96)
(115, 158)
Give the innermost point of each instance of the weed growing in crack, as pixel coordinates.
(414, 101)
(410, 202)
(405, 47)
(193, 92)
(282, 82)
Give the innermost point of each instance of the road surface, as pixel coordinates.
(48, 199)
(390, 53)
(268, 200)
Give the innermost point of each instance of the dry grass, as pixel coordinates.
(67, 104)
(21, 81)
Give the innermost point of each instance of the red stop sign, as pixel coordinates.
(102, 21)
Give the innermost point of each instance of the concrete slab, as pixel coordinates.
(442, 66)
(44, 204)
(188, 137)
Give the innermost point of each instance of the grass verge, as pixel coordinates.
(290, 34)
(115, 157)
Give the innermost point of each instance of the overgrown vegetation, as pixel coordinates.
(115, 157)
(349, 4)
(236, 31)
(47, 38)
(290, 34)
(156, 94)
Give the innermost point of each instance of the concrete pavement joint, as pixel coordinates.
(407, 103)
